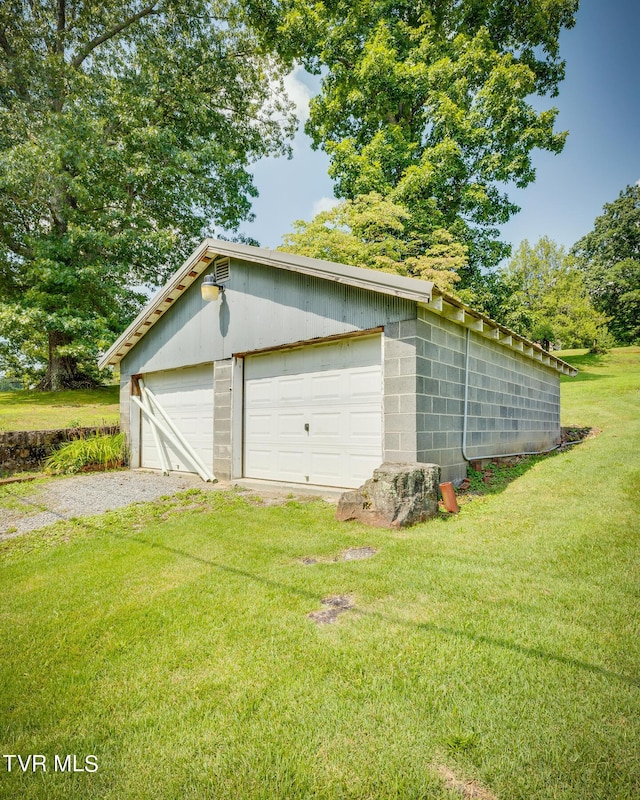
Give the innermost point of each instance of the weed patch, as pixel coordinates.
(497, 475)
(21, 495)
(86, 454)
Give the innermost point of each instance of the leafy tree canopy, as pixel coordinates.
(126, 129)
(544, 297)
(371, 231)
(428, 103)
(609, 257)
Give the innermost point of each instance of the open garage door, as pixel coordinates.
(186, 395)
(313, 414)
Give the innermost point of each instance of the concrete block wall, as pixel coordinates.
(222, 419)
(400, 378)
(514, 402)
(424, 393)
(440, 356)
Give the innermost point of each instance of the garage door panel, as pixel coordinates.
(262, 460)
(261, 392)
(187, 397)
(364, 384)
(325, 466)
(290, 461)
(290, 424)
(360, 467)
(335, 388)
(261, 425)
(326, 387)
(365, 425)
(327, 424)
(291, 390)
(189, 428)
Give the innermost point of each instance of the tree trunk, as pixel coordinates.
(62, 371)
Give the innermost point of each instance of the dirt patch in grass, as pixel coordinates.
(352, 554)
(466, 789)
(358, 553)
(336, 605)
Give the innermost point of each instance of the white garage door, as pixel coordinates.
(187, 397)
(314, 414)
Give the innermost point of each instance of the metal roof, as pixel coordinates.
(423, 292)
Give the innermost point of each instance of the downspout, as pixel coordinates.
(465, 419)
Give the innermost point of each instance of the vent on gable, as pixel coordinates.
(221, 270)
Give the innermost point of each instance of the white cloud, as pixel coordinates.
(299, 93)
(323, 204)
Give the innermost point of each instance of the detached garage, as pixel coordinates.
(308, 372)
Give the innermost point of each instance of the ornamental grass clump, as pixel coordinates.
(93, 453)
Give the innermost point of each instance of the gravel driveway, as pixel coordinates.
(85, 495)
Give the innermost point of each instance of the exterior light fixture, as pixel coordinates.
(210, 289)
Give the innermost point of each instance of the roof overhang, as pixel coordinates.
(422, 292)
(453, 309)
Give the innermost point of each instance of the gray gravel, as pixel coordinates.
(85, 495)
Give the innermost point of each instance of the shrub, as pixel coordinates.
(94, 452)
(603, 344)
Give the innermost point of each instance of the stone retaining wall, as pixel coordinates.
(25, 450)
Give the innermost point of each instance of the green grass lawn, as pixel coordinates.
(172, 641)
(34, 411)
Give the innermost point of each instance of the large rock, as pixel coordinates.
(396, 496)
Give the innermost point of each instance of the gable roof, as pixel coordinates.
(425, 293)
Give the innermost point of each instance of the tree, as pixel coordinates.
(126, 129)
(429, 103)
(609, 257)
(372, 232)
(546, 299)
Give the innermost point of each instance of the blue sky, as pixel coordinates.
(599, 104)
